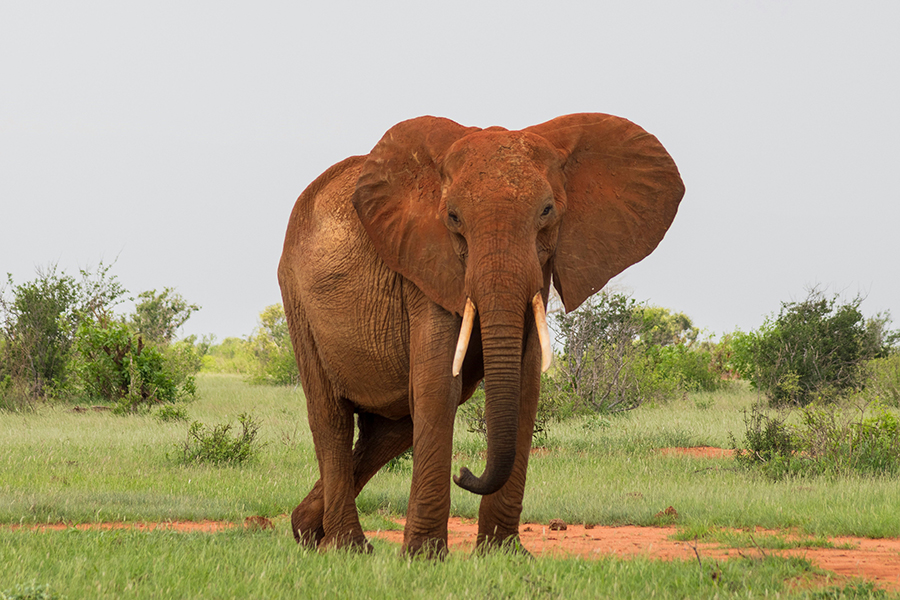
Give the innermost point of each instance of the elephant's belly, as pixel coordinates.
(372, 374)
(362, 339)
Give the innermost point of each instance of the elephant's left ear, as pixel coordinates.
(622, 192)
(398, 197)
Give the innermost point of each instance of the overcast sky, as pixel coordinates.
(174, 137)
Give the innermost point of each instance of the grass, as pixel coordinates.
(57, 465)
(239, 564)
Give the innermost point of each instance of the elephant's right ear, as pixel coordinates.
(398, 196)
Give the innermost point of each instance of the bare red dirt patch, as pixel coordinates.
(873, 559)
(183, 526)
(699, 452)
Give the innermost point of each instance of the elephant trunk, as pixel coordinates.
(502, 324)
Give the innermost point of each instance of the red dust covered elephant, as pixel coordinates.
(413, 273)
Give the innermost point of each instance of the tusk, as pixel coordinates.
(540, 319)
(465, 332)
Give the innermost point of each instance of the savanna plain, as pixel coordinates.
(62, 466)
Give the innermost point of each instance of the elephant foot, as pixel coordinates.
(428, 548)
(509, 545)
(307, 526)
(350, 543)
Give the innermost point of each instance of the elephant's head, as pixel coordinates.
(484, 218)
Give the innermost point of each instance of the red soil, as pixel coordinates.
(699, 452)
(873, 559)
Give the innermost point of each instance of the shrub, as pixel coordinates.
(216, 445)
(114, 364)
(842, 439)
(662, 327)
(814, 349)
(693, 369)
(168, 413)
(601, 367)
(233, 355)
(767, 439)
(883, 381)
(60, 338)
(271, 345)
(39, 321)
(829, 439)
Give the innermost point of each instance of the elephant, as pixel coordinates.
(411, 274)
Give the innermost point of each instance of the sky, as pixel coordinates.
(172, 138)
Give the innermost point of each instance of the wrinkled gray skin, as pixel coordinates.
(382, 252)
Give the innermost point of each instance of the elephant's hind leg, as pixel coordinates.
(332, 427)
(380, 440)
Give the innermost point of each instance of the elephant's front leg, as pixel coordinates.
(498, 514)
(434, 397)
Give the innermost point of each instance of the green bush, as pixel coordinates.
(843, 440)
(814, 349)
(114, 364)
(883, 381)
(38, 320)
(271, 345)
(233, 355)
(169, 413)
(59, 338)
(829, 439)
(216, 444)
(602, 366)
(693, 369)
(767, 440)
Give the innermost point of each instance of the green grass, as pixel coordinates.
(238, 564)
(57, 465)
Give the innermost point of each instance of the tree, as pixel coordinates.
(602, 366)
(39, 320)
(813, 349)
(157, 317)
(662, 327)
(60, 337)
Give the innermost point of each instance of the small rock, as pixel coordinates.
(528, 528)
(558, 525)
(589, 525)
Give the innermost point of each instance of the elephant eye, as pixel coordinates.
(547, 210)
(454, 218)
